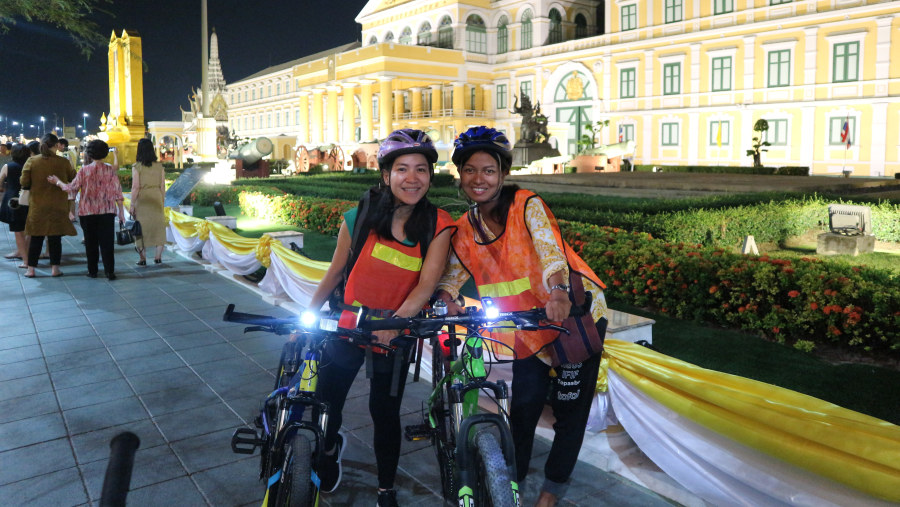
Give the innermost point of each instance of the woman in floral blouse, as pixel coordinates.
(101, 200)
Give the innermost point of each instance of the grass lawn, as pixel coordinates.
(865, 388)
(886, 255)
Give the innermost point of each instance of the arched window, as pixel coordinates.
(406, 36)
(502, 36)
(580, 27)
(389, 37)
(373, 40)
(424, 37)
(476, 35)
(526, 30)
(445, 33)
(555, 27)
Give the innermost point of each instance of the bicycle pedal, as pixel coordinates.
(416, 432)
(245, 441)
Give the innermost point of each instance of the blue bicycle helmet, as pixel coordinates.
(402, 142)
(482, 139)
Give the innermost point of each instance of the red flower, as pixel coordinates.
(835, 331)
(741, 309)
(788, 270)
(713, 289)
(813, 306)
(793, 293)
(617, 283)
(776, 329)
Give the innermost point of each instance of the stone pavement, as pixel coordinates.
(83, 359)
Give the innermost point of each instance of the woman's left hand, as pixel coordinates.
(385, 337)
(53, 179)
(559, 306)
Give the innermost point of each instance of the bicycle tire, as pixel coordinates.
(492, 481)
(443, 442)
(296, 488)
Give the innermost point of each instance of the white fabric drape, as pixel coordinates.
(718, 469)
(190, 244)
(241, 264)
(281, 281)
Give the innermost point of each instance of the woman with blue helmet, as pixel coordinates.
(510, 244)
(395, 271)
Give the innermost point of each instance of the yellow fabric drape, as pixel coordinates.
(845, 446)
(184, 224)
(301, 266)
(264, 250)
(231, 240)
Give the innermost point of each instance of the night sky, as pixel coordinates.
(43, 73)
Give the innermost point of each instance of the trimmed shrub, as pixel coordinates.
(784, 300)
(320, 215)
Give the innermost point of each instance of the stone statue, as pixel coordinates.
(196, 102)
(534, 124)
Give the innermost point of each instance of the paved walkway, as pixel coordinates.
(83, 359)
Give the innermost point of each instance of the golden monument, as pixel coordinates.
(124, 126)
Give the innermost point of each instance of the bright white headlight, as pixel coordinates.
(308, 318)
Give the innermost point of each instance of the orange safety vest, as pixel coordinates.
(509, 271)
(385, 273)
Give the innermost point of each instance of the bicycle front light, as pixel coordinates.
(490, 309)
(308, 319)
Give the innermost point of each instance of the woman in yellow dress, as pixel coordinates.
(148, 190)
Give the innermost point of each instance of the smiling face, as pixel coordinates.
(480, 177)
(409, 179)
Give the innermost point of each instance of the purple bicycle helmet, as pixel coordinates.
(482, 139)
(402, 142)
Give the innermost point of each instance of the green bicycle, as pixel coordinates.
(474, 448)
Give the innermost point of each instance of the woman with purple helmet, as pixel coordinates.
(407, 240)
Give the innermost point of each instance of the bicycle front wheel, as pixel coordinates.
(493, 485)
(296, 488)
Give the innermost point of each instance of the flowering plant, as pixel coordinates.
(785, 300)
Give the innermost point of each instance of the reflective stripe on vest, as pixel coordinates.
(397, 258)
(503, 289)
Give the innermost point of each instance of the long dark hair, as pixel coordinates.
(48, 144)
(145, 153)
(381, 216)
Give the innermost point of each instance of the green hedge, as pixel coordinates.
(723, 169)
(800, 302)
(310, 213)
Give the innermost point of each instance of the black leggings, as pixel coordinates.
(54, 245)
(340, 363)
(571, 393)
(99, 234)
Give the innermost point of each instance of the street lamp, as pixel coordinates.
(84, 121)
(43, 130)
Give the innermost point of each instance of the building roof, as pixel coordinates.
(309, 58)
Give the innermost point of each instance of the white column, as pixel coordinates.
(878, 135)
(749, 67)
(694, 90)
(693, 137)
(811, 34)
(882, 55)
(808, 127)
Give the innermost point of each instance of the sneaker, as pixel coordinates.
(387, 498)
(330, 468)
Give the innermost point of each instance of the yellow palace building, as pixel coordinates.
(685, 79)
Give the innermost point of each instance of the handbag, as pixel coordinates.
(585, 337)
(124, 235)
(24, 197)
(135, 228)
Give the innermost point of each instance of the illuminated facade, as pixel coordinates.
(685, 79)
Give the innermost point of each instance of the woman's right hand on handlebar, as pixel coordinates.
(452, 307)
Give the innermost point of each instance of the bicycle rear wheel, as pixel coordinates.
(493, 485)
(296, 488)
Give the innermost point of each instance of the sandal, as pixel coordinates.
(142, 262)
(13, 255)
(157, 261)
(26, 275)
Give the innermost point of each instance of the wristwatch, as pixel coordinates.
(561, 286)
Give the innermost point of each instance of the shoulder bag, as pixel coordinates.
(124, 235)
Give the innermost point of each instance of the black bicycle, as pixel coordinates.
(290, 429)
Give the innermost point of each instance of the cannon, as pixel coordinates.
(248, 158)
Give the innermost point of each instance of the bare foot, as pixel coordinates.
(546, 500)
